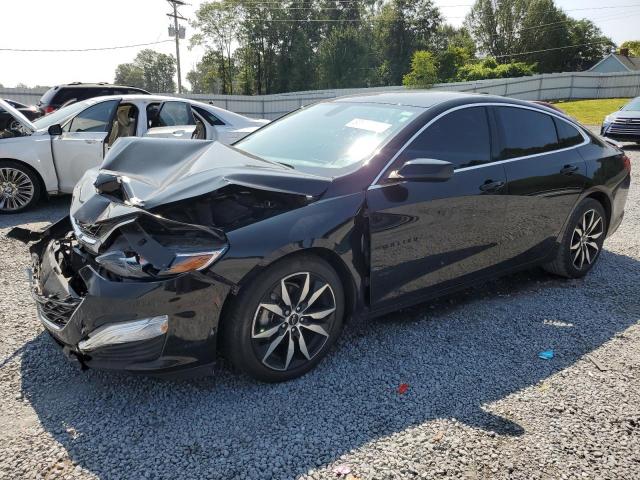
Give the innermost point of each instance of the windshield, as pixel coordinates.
(329, 135)
(59, 116)
(633, 105)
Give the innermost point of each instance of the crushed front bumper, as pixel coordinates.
(74, 299)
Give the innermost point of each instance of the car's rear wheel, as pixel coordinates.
(285, 321)
(19, 187)
(582, 241)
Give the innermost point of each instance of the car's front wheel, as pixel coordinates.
(582, 241)
(284, 321)
(19, 187)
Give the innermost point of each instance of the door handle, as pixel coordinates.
(491, 186)
(90, 141)
(178, 132)
(569, 169)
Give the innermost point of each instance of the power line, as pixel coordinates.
(549, 49)
(82, 49)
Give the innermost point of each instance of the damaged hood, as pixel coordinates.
(143, 173)
(18, 116)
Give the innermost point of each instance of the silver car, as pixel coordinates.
(623, 125)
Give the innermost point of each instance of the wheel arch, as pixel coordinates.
(349, 283)
(601, 197)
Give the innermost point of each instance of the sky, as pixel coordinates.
(69, 24)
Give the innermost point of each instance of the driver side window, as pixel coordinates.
(461, 137)
(96, 118)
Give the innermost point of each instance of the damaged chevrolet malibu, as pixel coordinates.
(356, 206)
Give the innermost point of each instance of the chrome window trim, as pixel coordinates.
(586, 139)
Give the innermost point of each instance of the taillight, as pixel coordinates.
(626, 161)
(49, 109)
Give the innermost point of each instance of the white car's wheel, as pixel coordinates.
(19, 187)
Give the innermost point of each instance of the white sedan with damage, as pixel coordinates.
(50, 155)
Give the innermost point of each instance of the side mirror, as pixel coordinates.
(424, 170)
(55, 130)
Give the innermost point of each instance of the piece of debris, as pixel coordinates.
(546, 355)
(598, 365)
(342, 470)
(438, 436)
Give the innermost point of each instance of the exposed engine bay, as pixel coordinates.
(231, 207)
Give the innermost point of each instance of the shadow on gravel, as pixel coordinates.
(458, 356)
(48, 210)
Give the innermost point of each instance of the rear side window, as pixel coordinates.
(208, 116)
(96, 118)
(172, 114)
(525, 132)
(461, 137)
(568, 135)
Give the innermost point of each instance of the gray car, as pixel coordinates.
(623, 125)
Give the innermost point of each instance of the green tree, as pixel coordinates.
(218, 27)
(129, 74)
(401, 28)
(591, 45)
(490, 68)
(450, 61)
(424, 70)
(633, 46)
(204, 78)
(342, 59)
(150, 70)
(495, 26)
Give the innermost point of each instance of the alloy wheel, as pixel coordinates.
(293, 321)
(16, 189)
(584, 241)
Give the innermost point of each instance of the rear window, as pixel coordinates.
(47, 96)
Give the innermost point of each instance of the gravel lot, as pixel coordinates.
(479, 403)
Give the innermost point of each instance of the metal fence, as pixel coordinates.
(553, 86)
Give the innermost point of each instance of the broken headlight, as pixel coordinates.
(157, 247)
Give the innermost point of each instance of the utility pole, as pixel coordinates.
(178, 32)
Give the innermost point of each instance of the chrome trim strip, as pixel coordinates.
(484, 104)
(48, 324)
(94, 243)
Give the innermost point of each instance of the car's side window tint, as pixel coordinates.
(525, 132)
(208, 116)
(174, 113)
(96, 118)
(568, 135)
(461, 137)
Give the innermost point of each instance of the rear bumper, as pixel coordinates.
(74, 300)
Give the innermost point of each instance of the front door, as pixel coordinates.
(427, 236)
(81, 145)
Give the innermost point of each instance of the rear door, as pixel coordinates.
(82, 143)
(173, 119)
(545, 176)
(426, 236)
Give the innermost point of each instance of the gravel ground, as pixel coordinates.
(479, 403)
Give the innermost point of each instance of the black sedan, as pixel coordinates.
(6, 119)
(351, 207)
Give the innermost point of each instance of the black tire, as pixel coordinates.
(247, 318)
(572, 262)
(14, 174)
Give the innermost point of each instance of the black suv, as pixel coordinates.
(62, 95)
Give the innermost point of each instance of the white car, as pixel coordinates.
(51, 153)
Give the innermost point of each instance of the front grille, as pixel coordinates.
(57, 311)
(625, 126)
